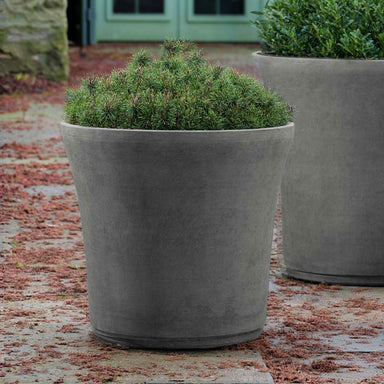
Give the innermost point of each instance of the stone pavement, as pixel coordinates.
(315, 333)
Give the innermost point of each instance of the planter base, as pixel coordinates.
(373, 281)
(177, 343)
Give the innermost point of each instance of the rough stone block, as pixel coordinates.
(33, 38)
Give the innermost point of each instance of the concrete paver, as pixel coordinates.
(56, 351)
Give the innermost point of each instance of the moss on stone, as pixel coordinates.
(3, 36)
(33, 38)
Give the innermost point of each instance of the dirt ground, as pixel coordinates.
(315, 333)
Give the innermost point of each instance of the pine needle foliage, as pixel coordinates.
(323, 28)
(179, 90)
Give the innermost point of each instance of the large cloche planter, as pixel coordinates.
(333, 188)
(177, 228)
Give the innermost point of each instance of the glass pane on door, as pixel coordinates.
(151, 6)
(124, 6)
(204, 7)
(219, 7)
(138, 6)
(232, 7)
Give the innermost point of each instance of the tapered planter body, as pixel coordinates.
(177, 228)
(333, 189)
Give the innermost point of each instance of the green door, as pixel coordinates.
(156, 20)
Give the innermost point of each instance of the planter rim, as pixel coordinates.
(333, 59)
(179, 131)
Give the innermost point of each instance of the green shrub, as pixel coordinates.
(179, 90)
(323, 28)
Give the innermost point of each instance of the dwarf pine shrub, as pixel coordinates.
(178, 90)
(323, 28)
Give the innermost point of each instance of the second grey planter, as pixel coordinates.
(177, 229)
(333, 189)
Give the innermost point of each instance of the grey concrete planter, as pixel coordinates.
(177, 228)
(333, 190)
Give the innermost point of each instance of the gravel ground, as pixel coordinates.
(315, 333)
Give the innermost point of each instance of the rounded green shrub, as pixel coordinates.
(323, 28)
(178, 90)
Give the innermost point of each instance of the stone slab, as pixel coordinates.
(358, 344)
(218, 366)
(59, 343)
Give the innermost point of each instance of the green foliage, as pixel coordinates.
(323, 28)
(179, 90)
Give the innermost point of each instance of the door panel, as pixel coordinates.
(220, 20)
(156, 20)
(136, 20)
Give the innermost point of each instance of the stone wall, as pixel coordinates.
(33, 37)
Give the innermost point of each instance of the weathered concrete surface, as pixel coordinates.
(33, 38)
(333, 224)
(167, 265)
